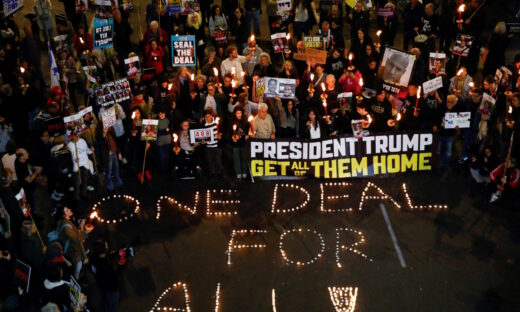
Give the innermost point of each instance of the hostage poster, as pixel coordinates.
(342, 157)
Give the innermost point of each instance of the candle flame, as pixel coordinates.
(252, 38)
(350, 56)
(233, 71)
(510, 109)
(472, 84)
(22, 69)
(133, 115)
(93, 215)
(192, 77)
(398, 117)
(461, 8)
(312, 77)
(369, 119)
(175, 137)
(361, 82)
(233, 83)
(217, 120)
(323, 86)
(215, 71)
(81, 40)
(288, 36)
(459, 72)
(378, 33)
(250, 118)
(170, 86)
(243, 73)
(419, 92)
(324, 103)
(234, 127)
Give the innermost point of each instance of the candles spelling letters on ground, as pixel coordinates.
(173, 202)
(420, 207)
(382, 196)
(336, 185)
(293, 186)
(226, 203)
(242, 233)
(127, 198)
(301, 231)
(343, 298)
(352, 247)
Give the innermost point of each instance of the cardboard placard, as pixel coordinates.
(11, 6)
(183, 51)
(437, 63)
(462, 45)
(74, 292)
(315, 56)
(22, 275)
(432, 85)
(132, 67)
(457, 120)
(198, 135)
(108, 116)
(113, 92)
(314, 42)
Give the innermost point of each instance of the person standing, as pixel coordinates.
(72, 238)
(80, 151)
(110, 156)
(412, 15)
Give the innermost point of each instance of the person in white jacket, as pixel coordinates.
(79, 151)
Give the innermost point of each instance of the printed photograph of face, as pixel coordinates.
(396, 67)
(272, 86)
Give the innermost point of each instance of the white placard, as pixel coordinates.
(454, 120)
(432, 85)
(198, 135)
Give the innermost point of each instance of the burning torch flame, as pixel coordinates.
(234, 127)
(461, 8)
(360, 82)
(323, 86)
(215, 71)
(350, 56)
(233, 83)
(133, 115)
(459, 72)
(398, 117)
(250, 118)
(378, 33)
(252, 38)
(419, 92)
(510, 109)
(175, 137)
(217, 120)
(93, 215)
(192, 77)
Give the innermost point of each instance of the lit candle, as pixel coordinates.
(233, 86)
(416, 109)
(252, 44)
(250, 120)
(460, 10)
(311, 86)
(22, 69)
(170, 86)
(175, 139)
(217, 121)
(81, 40)
(471, 86)
(456, 87)
(233, 72)
(369, 119)
(378, 35)
(133, 120)
(323, 87)
(350, 57)
(510, 109)
(397, 119)
(234, 129)
(89, 227)
(192, 85)
(215, 72)
(325, 107)
(360, 85)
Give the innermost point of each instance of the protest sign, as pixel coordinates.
(498, 77)
(74, 292)
(396, 69)
(103, 36)
(342, 157)
(385, 12)
(87, 118)
(22, 202)
(108, 116)
(22, 275)
(148, 73)
(283, 5)
(173, 6)
(61, 43)
(437, 63)
(72, 125)
(487, 104)
(315, 56)
(279, 41)
(357, 128)
(55, 126)
(259, 88)
(202, 134)
(183, 51)
(462, 45)
(312, 42)
(432, 85)
(457, 120)
(132, 67)
(189, 6)
(113, 92)
(149, 130)
(11, 6)
(282, 87)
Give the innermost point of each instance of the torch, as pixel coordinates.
(217, 121)
(311, 85)
(234, 129)
(215, 71)
(359, 98)
(456, 87)
(89, 227)
(324, 98)
(378, 35)
(192, 86)
(416, 109)
(233, 86)
(175, 139)
(460, 10)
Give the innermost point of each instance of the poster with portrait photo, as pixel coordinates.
(108, 117)
(113, 92)
(5, 221)
(281, 87)
(396, 69)
(22, 202)
(87, 118)
(462, 45)
(189, 6)
(73, 125)
(279, 41)
(132, 67)
(437, 63)
(149, 130)
(487, 104)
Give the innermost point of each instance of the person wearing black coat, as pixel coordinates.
(496, 48)
(412, 15)
(56, 290)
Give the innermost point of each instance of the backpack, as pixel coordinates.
(54, 235)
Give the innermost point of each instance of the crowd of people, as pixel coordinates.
(356, 85)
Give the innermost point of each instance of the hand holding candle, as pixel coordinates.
(350, 57)
(311, 84)
(416, 109)
(460, 9)
(133, 120)
(89, 227)
(252, 44)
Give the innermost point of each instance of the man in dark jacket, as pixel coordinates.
(412, 15)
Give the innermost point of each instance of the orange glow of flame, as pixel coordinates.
(369, 118)
(93, 215)
(175, 137)
(133, 115)
(323, 86)
(234, 127)
(459, 72)
(252, 38)
(398, 117)
(360, 82)
(419, 92)
(250, 118)
(215, 71)
(192, 77)
(378, 33)
(510, 110)
(350, 56)
(217, 120)
(461, 8)
(233, 83)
